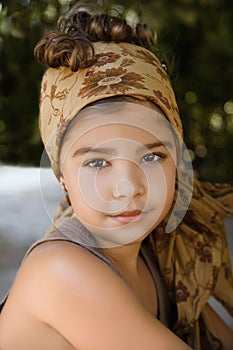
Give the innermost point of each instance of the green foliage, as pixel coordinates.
(194, 38)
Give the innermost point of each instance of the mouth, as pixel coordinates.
(128, 216)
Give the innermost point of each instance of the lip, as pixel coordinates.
(128, 216)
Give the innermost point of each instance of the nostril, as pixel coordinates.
(123, 188)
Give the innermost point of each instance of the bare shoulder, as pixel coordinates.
(78, 295)
(59, 268)
(61, 257)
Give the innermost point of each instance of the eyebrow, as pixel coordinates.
(85, 150)
(166, 144)
(108, 150)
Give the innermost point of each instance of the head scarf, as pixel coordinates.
(194, 258)
(118, 69)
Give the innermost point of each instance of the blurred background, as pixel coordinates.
(193, 38)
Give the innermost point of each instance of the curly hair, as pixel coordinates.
(71, 46)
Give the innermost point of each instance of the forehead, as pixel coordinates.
(119, 119)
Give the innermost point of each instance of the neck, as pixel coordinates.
(126, 257)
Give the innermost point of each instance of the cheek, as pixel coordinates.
(161, 184)
(104, 184)
(74, 193)
(170, 178)
(70, 174)
(170, 174)
(89, 189)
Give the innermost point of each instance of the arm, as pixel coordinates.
(81, 298)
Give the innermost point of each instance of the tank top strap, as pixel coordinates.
(166, 309)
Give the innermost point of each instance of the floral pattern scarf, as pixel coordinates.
(194, 257)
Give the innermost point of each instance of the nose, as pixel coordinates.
(129, 180)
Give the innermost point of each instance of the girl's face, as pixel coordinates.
(119, 169)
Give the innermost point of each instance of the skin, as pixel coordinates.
(115, 167)
(64, 297)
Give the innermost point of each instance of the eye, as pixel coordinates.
(152, 157)
(96, 163)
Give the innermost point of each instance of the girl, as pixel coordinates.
(129, 261)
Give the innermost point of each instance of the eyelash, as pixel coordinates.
(159, 157)
(97, 163)
(93, 164)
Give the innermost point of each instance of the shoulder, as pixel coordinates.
(59, 280)
(64, 286)
(63, 262)
(61, 270)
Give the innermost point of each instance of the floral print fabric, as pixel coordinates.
(112, 80)
(196, 264)
(117, 69)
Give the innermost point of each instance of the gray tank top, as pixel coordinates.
(73, 231)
